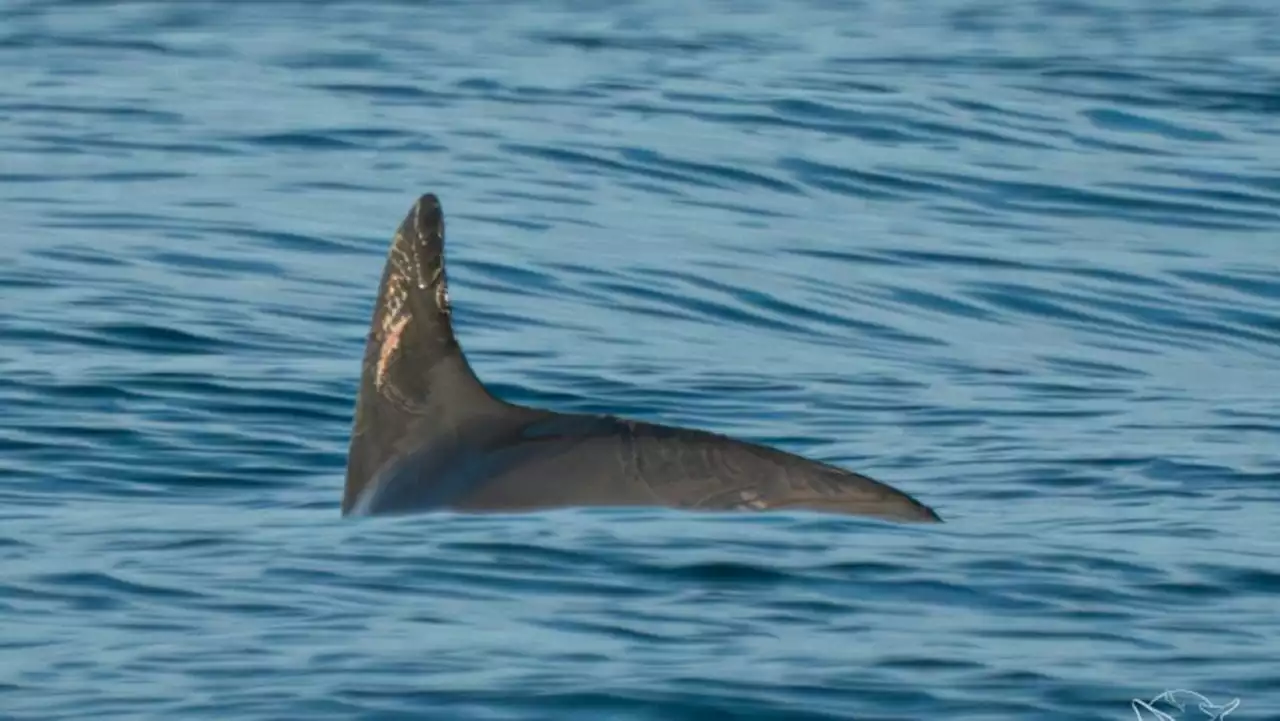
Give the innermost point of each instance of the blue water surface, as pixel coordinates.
(1021, 260)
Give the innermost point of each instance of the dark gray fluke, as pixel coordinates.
(427, 435)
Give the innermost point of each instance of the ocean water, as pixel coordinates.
(1021, 260)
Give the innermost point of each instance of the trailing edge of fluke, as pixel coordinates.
(428, 435)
